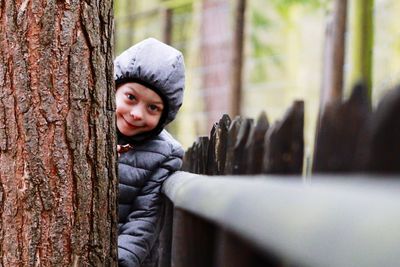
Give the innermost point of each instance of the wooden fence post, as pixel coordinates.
(166, 235)
(255, 145)
(239, 151)
(342, 126)
(236, 147)
(234, 252)
(186, 165)
(192, 241)
(203, 154)
(230, 148)
(284, 145)
(384, 135)
(217, 146)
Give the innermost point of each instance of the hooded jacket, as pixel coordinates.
(155, 154)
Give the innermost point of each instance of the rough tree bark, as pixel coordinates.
(57, 144)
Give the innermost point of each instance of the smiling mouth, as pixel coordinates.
(132, 125)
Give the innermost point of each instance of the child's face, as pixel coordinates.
(138, 110)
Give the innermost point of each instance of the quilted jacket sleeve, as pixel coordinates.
(138, 234)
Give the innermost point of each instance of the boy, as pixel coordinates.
(150, 79)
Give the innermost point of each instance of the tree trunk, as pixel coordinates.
(237, 59)
(332, 80)
(167, 21)
(333, 65)
(57, 143)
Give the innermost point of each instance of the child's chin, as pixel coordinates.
(128, 132)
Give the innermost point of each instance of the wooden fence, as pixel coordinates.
(354, 138)
(277, 219)
(244, 147)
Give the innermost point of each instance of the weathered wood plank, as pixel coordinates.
(203, 142)
(284, 144)
(192, 240)
(186, 163)
(255, 145)
(211, 157)
(166, 235)
(230, 149)
(384, 135)
(217, 146)
(240, 152)
(342, 126)
(195, 157)
(233, 251)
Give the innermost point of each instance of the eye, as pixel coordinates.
(131, 97)
(154, 108)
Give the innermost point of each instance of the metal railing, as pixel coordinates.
(283, 221)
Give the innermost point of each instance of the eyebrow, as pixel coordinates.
(131, 87)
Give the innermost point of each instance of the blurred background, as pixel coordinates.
(282, 44)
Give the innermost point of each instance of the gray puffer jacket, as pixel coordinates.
(142, 171)
(155, 155)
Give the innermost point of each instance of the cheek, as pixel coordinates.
(120, 105)
(154, 121)
(118, 100)
(118, 112)
(120, 108)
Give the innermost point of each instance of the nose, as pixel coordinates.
(137, 113)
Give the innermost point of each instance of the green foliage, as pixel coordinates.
(182, 27)
(288, 3)
(264, 50)
(258, 19)
(259, 22)
(176, 4)
(283, 6)
(361, 44)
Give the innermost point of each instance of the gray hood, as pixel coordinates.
(157, 66)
